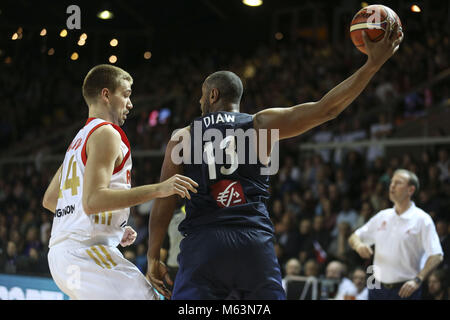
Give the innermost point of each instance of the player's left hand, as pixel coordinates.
(157, 273)
(129, 237)
(408, 289)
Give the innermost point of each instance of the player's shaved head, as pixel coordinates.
(228, 84)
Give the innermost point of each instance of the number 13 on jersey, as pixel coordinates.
(229, 144)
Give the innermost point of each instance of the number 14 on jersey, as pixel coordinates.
(70, 183)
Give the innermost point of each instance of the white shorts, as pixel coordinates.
(97, 272)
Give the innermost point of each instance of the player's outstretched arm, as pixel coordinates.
(103, 149)
(161, 214)
(50, 199)
(295, 120)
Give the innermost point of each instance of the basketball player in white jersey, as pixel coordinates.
(91, 194)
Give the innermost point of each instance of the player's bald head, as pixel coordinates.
(228, 84)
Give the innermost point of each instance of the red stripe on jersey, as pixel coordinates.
(83, 152)
(123, 137)
(89, 120)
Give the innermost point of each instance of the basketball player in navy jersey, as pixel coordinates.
(228, 251)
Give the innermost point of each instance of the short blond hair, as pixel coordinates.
(103, 76)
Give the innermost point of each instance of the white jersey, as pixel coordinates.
(70, 220)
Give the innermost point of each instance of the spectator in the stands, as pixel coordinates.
(346, 214)
(336, 271)
(339, 248)
(360, 281)
(378, 131)
(319, 233)
(311, 268)
(365, 213)
(35, 262)
(437, 285)
(292, 268)
(443, 164)
(8, 261)
(442, 229)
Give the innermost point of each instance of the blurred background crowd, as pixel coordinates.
(319, 197)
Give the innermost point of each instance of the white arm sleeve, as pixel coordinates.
(430, 238)
(367, 232)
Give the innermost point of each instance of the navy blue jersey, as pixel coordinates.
(232, 191)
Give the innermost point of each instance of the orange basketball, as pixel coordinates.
(373, 20)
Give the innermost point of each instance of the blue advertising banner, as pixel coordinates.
(14, 287)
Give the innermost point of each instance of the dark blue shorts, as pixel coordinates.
(228, 263)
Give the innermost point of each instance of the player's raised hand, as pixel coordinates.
(156, 273)
(379, 52)
(129, 237)
(177, 184)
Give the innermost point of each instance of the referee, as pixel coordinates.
(403, 236)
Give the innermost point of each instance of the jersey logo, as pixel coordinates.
(382, 227)
(228, 193)
(128, 177)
